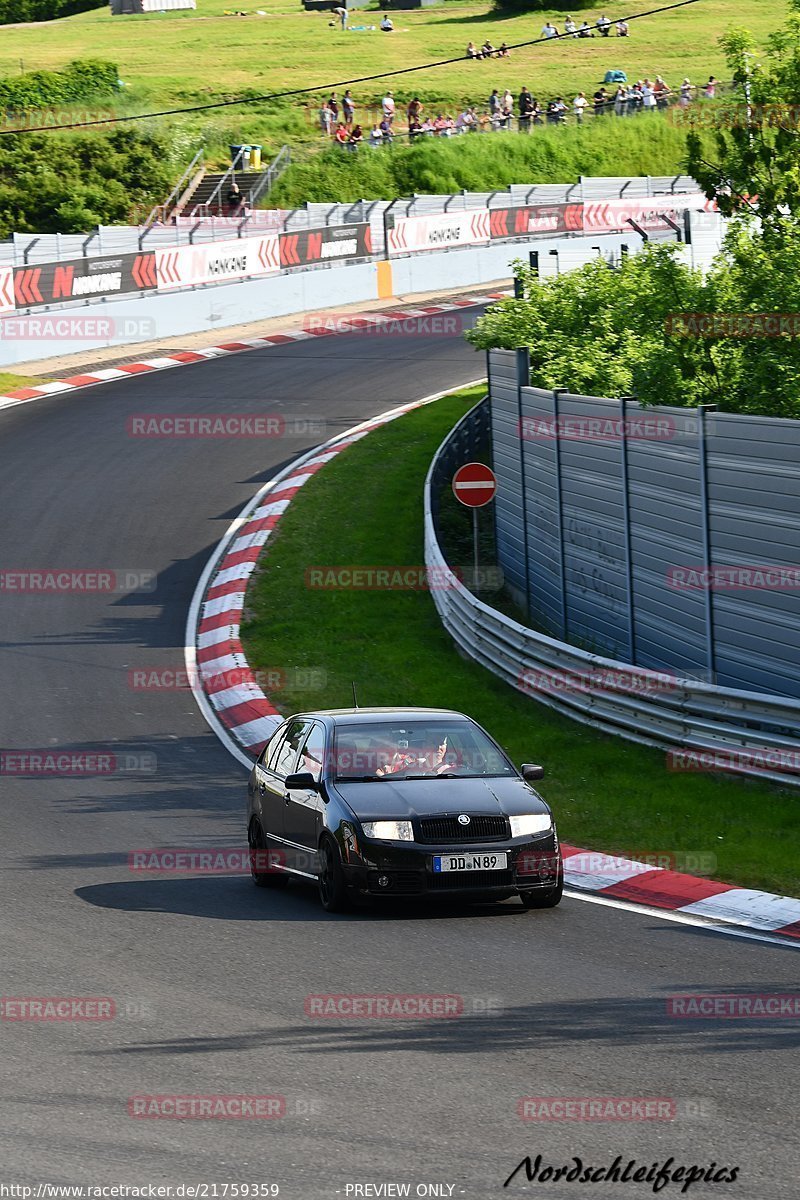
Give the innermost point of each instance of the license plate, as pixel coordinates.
(469, 862)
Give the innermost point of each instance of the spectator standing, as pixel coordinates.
(622, 28)
(686, 94)
(579, 107)
(414, 129)
(600, 101)
(604, 25)
(387, 104)
(508, 100)
(525, 109)
(549, 30)
(235, 200)
(333, 105)
(648, 96)
(570, 27)
(376, 136)
(710, 89)
(537, 112)
(348, 108)
(414, 110)
(387, 131)
(341, 13)
(325, 119)
(621, 101)
(635, 98)
(494, 105)
(662, 92)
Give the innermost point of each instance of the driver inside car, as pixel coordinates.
(434, 760)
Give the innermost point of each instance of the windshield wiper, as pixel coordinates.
(360, 778)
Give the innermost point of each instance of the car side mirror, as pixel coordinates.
(530, 772)
(301, 781)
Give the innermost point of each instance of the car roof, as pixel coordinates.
(360, 716)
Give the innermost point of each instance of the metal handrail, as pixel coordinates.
(176, 191)
(273, 172)
(692, 716)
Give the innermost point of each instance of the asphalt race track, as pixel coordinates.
(209, 974)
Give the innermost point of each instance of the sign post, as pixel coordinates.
(474, 486)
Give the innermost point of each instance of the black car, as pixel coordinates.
(399, 802)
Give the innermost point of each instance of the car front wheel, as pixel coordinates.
(332, 888)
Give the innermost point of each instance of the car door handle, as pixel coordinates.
(287, 799)
(262, 787)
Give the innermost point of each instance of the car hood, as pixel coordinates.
(407, 798)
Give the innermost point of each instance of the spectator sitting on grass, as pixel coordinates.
(386, 130)
(604, 25)
(473, 51)
(549, 30)
(487, 49)
(356, 137)
(386, 24)
(341, 136)
(570, 27)
(585, 30)
(622, 28)
(414, 129)
(504, 51)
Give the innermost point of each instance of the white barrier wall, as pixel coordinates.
(214, 307)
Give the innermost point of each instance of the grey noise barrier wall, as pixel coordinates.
(593, 579)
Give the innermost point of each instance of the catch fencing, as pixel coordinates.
(697, 722)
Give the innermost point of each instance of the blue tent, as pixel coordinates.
(615, 77)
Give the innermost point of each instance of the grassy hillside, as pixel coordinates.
(172, 59)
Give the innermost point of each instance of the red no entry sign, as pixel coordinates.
(474, 485)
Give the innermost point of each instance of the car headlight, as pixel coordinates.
(530, 823)
(389, 831)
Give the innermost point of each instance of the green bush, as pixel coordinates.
(84, 79)
(612, 332)
(13, 12)
(482, 162)
(70, 182)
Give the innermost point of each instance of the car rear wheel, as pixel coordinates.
(332, 888)
(258, 849)
(543, 897)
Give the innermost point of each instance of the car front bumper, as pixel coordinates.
(390, 869)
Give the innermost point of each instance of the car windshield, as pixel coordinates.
(427, 748)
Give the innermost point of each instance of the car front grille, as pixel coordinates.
(448, 880)
(481, 828)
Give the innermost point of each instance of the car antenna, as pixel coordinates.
(355, 698)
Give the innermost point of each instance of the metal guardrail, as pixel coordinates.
(690, 716)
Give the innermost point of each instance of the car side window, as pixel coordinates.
(271, 745)
(283, 760)
(312, 754)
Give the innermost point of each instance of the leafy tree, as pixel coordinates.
(757, 151)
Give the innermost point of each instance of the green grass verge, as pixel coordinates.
(9, 382)
(365, 508)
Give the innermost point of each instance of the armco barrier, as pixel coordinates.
(685, 716)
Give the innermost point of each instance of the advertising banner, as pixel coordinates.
(606, 215)
(6, 290)
(331, 242)
(438, 232)
(216, 262)
(536, 219)
(83, 278)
